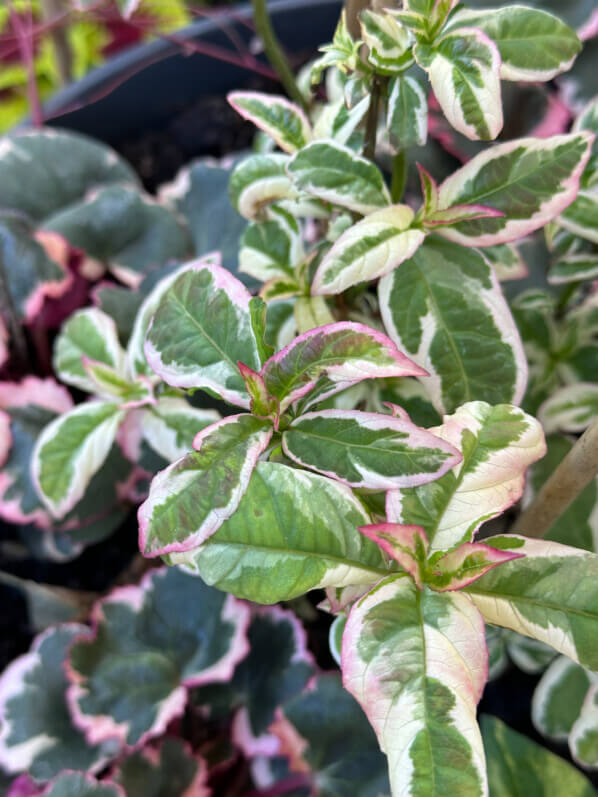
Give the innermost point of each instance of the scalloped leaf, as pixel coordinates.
(161, 638)
(121, 227)
(444, 307)
(284, 121)
(533, 595)
(533, 44)
(421, 656)
(518, 767)
(336, 174)
(367, 449)
(259, 180)
(91, 334)
(498, 445)
(189, 500)
(171, 770)
(344, 353)
(277, 669)
(70, 450)
(463, 66)
(369, 249)
(531, 180)
(200, 330)
(37, 734)
(293, 531)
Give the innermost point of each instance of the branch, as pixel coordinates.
(274, 52)
(573, 474)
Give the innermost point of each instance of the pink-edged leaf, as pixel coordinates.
(530, 180)
(344, 353)
(407, 544)
(200, 638)
(201, 329)
(465, 565)
(263, 405)
(190, 499)
(417, 663)
(367, 449)
(281, 119)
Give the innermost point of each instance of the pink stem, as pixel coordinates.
(25, 42)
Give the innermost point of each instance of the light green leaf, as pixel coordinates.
(407, 114)
(533, 44)
(294, 531)
(416, 661)
(87, 333)
(444, 307)
(498, 445)
(201, 330)
(534, 596)
(463, 67)
(70, 450)
(367, 449)
(531, 180)
(259, 180)
(189, 500)
(518, 767)
(282, 120)
(369, 249)
(333, 172)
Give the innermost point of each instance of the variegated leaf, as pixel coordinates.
(270, 249)
(417, 663)
(189, 500)
(70, 450)
(87, 333)
(444, 307)
(464, 565)
(407, 114)
(332, 172)
(573, 268)
(340, 122)
(529, 655)
(294, 531)
(533, 44)
(534, 596)
(388, 41)
(581, 217)
(498, 445)
(559, 696)
(367, 449)
(37, 734)
(161, 638)
(571, 409)
(463, 67)
(172, 770)
(588, 120)
(407, 544)
(200, 331)
(583, 740)
(171, 425)
(282, 120)
(369, 249)
(344, 353)
(518, 767)
(259, 180)
(530, 180)
(506, 261)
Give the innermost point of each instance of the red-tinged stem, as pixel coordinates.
(283, 787)
(25, 42)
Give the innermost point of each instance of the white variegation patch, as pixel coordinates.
(570, 409)
(279, 118)
(162, 426)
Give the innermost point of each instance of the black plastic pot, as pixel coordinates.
(143, 87)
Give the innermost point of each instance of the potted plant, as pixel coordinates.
(363, 414)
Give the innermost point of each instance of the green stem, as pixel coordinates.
(275, 53)
(371, 126)
(399, 176)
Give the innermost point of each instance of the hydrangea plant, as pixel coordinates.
(377, 403)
